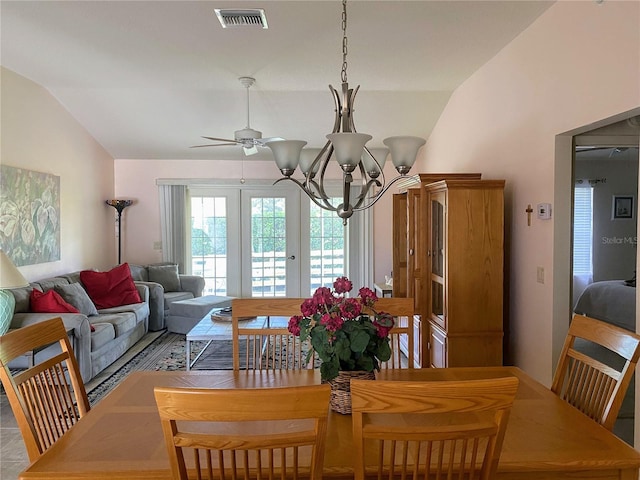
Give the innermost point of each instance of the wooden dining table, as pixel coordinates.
(121, 437)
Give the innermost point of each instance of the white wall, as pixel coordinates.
(614, 253)
(577, 64)
(37, 133)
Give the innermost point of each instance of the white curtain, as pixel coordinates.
(173, 224)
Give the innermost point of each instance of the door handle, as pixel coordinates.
(292, 257)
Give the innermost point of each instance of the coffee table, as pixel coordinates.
(209, 330)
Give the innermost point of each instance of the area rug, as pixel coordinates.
(168, 352)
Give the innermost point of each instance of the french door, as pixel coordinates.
(270, 259)
(255, 242)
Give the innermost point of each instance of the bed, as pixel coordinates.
(612, 301)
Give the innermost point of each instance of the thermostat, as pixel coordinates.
(544, 211)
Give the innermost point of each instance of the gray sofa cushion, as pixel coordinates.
(122, 322)
(165, 275)
(22, 296)
(139, 273)
(103, 334)
(77, 296)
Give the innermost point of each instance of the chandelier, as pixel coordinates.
(350, 152)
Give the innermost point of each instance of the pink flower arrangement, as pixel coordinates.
(346, 333)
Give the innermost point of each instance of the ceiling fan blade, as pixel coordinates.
(213, 145)
(263, 141)
(221, 139)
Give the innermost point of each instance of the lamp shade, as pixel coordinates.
(307, 157)
(348, 148)
(404, 151)
(286, 154)
(10, 276)
(370, 166)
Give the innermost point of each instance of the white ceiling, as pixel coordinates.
(148, 78)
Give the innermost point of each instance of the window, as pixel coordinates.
(583, 230)
(326, 247)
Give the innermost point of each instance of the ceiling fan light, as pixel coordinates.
(404, 150)
(348, 148)
(286, 154)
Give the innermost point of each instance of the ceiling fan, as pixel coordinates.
(249, 138)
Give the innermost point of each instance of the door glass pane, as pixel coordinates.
(326, 243)
(437, 238)
(268, 247)
(209, 242)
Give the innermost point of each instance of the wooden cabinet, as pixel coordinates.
(448, 255)
(465, 262)
(399, 265)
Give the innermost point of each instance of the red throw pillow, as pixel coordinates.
(112, 288)
(50, 302)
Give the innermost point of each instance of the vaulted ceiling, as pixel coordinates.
(148, 78)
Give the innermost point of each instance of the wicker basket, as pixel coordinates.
(341, 389)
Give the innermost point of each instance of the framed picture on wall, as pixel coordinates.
(622, 207)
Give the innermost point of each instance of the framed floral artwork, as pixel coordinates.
(622, 207)
(29, 215)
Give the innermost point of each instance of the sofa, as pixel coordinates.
(165, 286)
(99, 335)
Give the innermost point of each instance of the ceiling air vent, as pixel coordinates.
(254, 17)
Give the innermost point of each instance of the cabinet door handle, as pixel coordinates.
(411, 251)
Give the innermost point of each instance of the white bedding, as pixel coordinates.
(611, 301)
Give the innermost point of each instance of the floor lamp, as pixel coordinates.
(119, 205)
(10, 277)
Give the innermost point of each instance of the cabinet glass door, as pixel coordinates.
(437, 227)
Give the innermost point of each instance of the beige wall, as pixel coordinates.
(37, 133)
(577, 64)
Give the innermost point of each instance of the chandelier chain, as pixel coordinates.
(343, 74)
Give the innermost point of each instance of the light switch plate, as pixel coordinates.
(544, 211)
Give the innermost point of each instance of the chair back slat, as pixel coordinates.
(48, 398)
(267, 347)
(590, 385)
(254, 433)
(423, 430)
(402, 310)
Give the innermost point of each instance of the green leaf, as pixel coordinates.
(384, 351)
(329, 370)
(359, 341)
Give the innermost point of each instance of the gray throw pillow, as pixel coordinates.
(165, 275)
(78, 297)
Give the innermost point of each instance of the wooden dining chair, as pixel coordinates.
(270, 346)
(402, 310)
(426, 430)
(255, 433)
(48, 398)
(594, 376)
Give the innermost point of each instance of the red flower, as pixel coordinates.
(308, 307)
(331, 322)
(342, 285)
(323, 296)
(294, 325)
(350, 308)
(368, 296)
